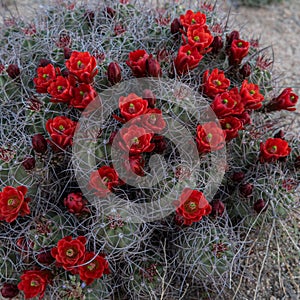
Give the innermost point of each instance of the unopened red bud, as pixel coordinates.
(245, 71)
(9, 290)
(114, 74)
(160, 144)
(246, 189)
(29, 163)
(176, 26)
(238, 176)
(44, 62)
(67, 52)
(260, 206)
(234, 35)
(279, 134)
(39, 143)
(217, 44)
(149, 96)
(13, 71)
(153, 68)
(45, 257)
(110, 12)
(218, 208)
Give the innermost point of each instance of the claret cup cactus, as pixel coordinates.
(140, 148)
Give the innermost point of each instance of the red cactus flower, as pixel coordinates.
(132, 106)
(238, 50)
(45, 75)
(76, 203)
(137, 62)
(273, 149)
(200, 37)
(251, 96)
(286, 100)
(83, 95)
(231, 126)
(60, 90)
(191, 18)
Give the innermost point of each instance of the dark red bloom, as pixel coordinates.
(44, 62)
(33, 283)
(132, 106)
(214, 83)
(286, 100)
(13, 71)
(82, 66)
(251, 96)
(200, 37)
(83, 95)
(238, 50)
(114, 74)
(153, 68)
(245, 71)
(192, 206)
(136, 140)
(135, 164)
(76, 203)
(137, 62)
(217, 44)
(45, 76)
(69, 252)
(45, 258)
(104, 180)
(60, 90)
(227, 103)
(273, 149)
(9, 290)
(61, 130)
(39, 143)
(218, 208)
(187, 59)
(234, 35)
(260, 206)
(94, 266)
(231, 125)
(28, 163)
(246, 189)
(13, 203)
(238, 176)
(191, 18)
(210, 137)
(176, 26)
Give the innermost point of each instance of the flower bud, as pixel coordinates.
(75, 203)
(153, 68)
(279, 134)
(114, 74)
(160, 144)
(29, 163)
(111, 138)
(67, 52)
(218, 208)
(39, 143)
(110, 12)
(13, 71)
(149, 96)
(260, 206)
(217, 44)
(176, 26)
(245, 71)
(45, 257)
(238, 176)
(234, 35)
(246, 189)
(44, 62)
(9, 290)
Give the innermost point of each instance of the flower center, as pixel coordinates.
(59, 88)
(292, 97)
(152, 119)
(11, 201)
(218, 82)
(131, 108)
(228, 126)
(193, 21)
(105, 179)
(189, 52)
(70, 252)
(273, 149)
(34, 283)
(225, 101)
(240, 44)
(196, 38)
(79, 64)
(61, 127)
(192, 205)
(135, 141)
(91, 266)
(209, 137)
(45, 76)
(252, 92)
(81, 93)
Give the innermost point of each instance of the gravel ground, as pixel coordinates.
(272, 268)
